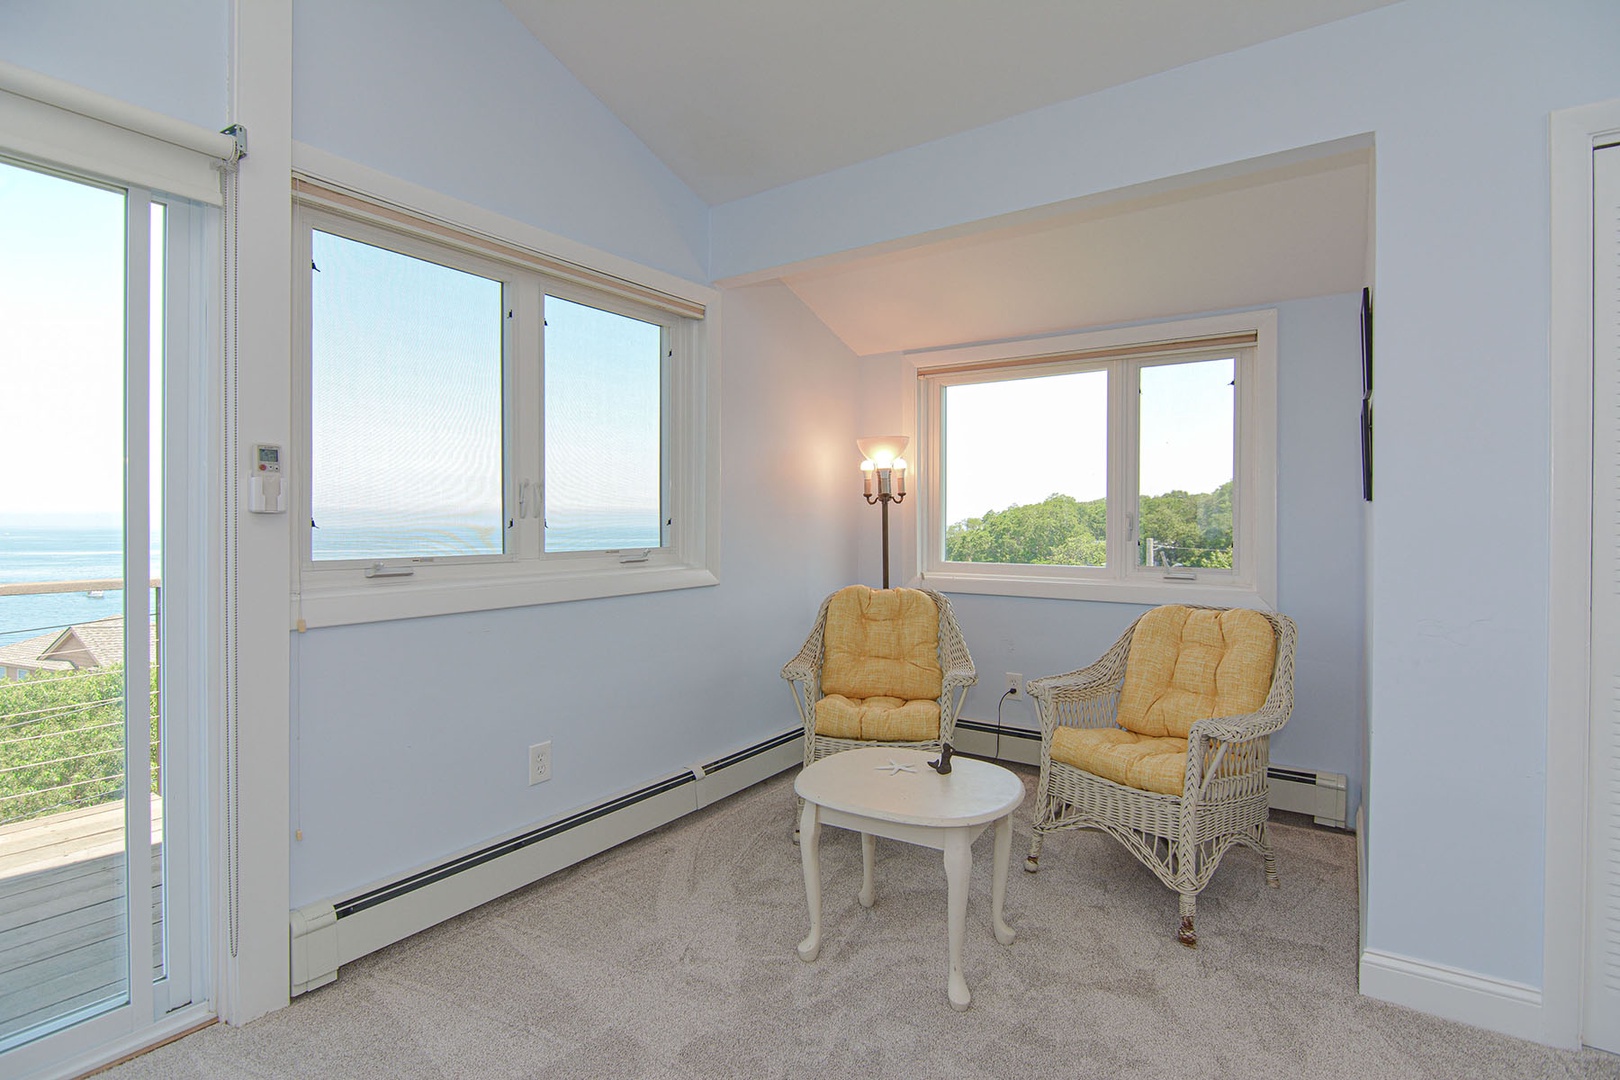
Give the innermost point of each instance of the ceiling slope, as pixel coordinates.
(740, 96)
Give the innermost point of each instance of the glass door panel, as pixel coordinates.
(68, 624)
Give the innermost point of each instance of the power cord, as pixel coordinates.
(1011, 692)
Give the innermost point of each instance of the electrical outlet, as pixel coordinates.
(1015, 684)
(539, 762)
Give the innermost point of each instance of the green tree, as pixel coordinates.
(1059, 531)
(62, 741)
(1186, 529)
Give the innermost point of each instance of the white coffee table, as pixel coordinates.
(861, 790)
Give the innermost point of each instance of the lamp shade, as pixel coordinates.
(882, 450)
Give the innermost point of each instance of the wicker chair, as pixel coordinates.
(1223, 798)
(804, 675)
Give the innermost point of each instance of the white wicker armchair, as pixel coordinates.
(1223, 799)
(804, 675)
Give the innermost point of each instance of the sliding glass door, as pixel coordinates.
(99, 576)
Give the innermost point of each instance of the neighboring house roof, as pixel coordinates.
(82, 646)
(25, 655)
(89, 645)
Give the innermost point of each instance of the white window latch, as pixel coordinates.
(378, 570)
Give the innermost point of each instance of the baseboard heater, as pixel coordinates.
(1299, 791)
(326, 935)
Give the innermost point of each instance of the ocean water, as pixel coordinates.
(353, 536)
(80, 553)
(58, 553)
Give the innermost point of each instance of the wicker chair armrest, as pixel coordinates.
(1235, 729)
(803, 667)
(1103, 677)
(960, 676)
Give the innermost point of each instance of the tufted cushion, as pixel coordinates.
(888, 719)
(880, 672)
(881, 643)
(1186, 665)
(1138, 761)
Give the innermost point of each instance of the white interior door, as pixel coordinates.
(1601, 1022)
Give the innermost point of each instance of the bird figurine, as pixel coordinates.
(943, 765)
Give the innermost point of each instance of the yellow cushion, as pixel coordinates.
(888, 719)
(881, 643)
(1186, 665)
(1138, 761)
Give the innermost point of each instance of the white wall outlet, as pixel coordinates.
(539, 762)
(1015, 684)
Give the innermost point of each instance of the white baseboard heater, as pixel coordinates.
(1300, 791)
(326, 935)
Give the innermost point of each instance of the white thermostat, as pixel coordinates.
(265, 492)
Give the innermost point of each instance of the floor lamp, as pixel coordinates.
(884, 471)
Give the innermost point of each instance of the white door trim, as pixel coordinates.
(1574, 133)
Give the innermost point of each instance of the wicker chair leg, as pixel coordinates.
(798, 808)
(1270, 857)
(1032, 863)
(1187, 935)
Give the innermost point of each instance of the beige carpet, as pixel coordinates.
(673, 956)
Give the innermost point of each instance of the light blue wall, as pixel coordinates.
(1320, 580)
(171, 57)
(1457, 95)
(410, 738)
(458, 97)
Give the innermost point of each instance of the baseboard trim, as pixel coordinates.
(331, 933)
(1453, 994)
(979, 739)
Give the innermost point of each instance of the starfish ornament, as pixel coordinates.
(894, 768)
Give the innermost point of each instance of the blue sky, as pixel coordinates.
(1019, 441)
(61, 347)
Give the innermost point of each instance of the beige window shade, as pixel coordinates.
(323, 194)
(1239, 340)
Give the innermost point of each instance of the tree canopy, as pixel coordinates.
(1183, 529)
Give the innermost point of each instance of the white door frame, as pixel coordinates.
(1574, 133)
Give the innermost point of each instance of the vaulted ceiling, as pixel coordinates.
(739, 96)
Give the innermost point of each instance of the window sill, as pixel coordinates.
(1145, 591)
(408, 598)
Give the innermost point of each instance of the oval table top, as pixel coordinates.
(867, 782)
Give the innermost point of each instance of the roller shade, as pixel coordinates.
(327, 195)
(53, 122)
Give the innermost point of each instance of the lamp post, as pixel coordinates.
(884, 473)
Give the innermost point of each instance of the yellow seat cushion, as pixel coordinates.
(881, 643)
(1138, 761)
(1187, 665)
(889, 719)
(880, 670)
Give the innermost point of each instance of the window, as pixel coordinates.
(402, 345)
(484, 428)
(1134, 465)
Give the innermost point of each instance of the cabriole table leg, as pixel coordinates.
(998, 881)
(958, 868)
(810, 855)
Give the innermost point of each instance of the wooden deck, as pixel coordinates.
(62, 887)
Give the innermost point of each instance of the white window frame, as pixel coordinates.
(183, 996)
(330, 592)
(1253, 578)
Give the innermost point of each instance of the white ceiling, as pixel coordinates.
(740, 96)
(1284, 233)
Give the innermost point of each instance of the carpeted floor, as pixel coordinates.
(673, 956)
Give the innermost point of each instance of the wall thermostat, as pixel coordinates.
(266, 495)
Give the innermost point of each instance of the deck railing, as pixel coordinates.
(62, 733)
